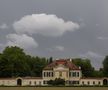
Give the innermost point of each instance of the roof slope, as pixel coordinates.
(65, 62)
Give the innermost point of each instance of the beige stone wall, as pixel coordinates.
(91, 82)
(32, 82)
(25, 82)
(10, 82)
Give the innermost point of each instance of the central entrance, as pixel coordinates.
(19, 82)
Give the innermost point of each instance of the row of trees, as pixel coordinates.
(87, 69)
(14, 62)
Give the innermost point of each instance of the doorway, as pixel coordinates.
(105, 82)
(19, 82)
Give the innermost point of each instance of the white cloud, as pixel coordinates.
(22, 41)
(102, 38)
(91, 54)
(44, 24)
(56, 48)
(3, 26)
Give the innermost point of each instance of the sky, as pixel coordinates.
(57, 28)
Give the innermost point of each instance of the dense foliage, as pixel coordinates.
(105, 66)
(85, 65)
(87, 68)
(57, 81)
(14, 62)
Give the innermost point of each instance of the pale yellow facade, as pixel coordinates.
(62, 72)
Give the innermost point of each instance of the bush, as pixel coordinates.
(57, 81)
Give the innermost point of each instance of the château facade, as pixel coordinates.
(63, 69)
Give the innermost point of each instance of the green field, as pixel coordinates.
(53, 88)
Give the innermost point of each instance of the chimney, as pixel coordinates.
(79, 67)
(70, 60)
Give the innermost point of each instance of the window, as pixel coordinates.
(77, 74)
(88, 82)
(52, 74)
(83, 82)
(44, 74)
(99, 83)
(74, 74)
(29, 82)
(39, 82)
(93, 82)
(45, 82)
(47, 74)
(69, 74)
(35, 82)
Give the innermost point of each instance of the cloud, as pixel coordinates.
(44, 24)
(56, 48)
(22, 41)
(91, 54)
(3, 26)
(102, 38)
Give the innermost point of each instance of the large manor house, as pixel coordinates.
(61, 68)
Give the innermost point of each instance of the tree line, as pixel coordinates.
(15, 62)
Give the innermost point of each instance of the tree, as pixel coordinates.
(37, 64)
(57, 81)
(13, 62)
(86, 67)
(105, 66)
(50, 60)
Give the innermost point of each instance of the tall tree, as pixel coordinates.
(13, 62)
(50, 60)
(105, 66)
(86, 67)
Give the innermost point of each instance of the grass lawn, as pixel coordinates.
(53, 88)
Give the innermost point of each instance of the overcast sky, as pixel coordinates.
(57, 28)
